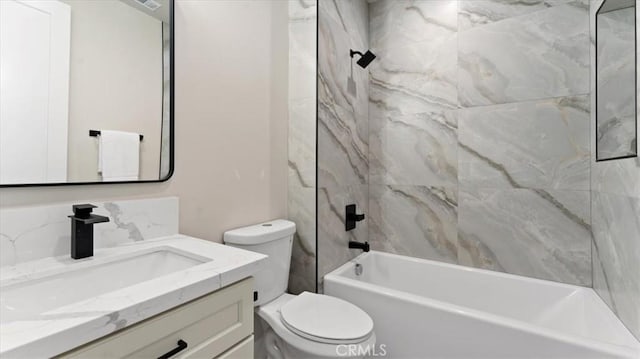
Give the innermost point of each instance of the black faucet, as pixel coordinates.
(364, 246)
(82, 222)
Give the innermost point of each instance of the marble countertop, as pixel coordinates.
(59, 330)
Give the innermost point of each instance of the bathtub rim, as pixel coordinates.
(337, 276)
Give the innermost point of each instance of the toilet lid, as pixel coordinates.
(326, 319)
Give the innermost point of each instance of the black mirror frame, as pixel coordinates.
(171, 122)
(635, 22)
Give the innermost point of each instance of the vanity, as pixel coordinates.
(217, 325)
(147, 291)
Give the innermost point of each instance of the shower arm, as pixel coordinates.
(353, 52)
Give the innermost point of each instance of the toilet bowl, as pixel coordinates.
(314, 340)
(307, 325)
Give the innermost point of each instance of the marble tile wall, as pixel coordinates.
(531, 232)
(414, 220)
(29, 233)
(615, 211)
(524, 188)
(523, 157)
(541, 54)
(479, 134)
(482, 12)
(343, 126)
(302, 139)
(413, 129)
(616, 83)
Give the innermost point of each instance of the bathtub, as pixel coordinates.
(427, 309)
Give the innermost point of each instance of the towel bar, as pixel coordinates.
(96, 133)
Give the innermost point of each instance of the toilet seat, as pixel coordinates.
(326, 319)
(270, 313)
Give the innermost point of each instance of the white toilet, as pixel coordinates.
(308, 325)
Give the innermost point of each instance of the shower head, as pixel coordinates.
(365, 59)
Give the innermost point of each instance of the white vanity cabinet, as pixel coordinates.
(217, 325)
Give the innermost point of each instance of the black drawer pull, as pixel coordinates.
(182, 345)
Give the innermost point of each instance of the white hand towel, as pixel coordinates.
(119, 156)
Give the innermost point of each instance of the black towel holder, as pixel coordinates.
(96, 133)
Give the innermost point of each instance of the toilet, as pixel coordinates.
(307, 325)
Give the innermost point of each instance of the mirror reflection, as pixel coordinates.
(85, 91)
(616, 80)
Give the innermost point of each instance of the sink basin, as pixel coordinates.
(32, 298)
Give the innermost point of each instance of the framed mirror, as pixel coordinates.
(616, 80)
(86, 91)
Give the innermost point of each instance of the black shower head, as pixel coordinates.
(365, 59)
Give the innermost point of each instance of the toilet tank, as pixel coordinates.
(275, 239)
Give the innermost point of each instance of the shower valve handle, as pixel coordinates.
(351, 217)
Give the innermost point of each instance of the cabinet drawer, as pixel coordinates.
(209, 325)
(242, 350)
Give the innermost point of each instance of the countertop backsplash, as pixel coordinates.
(34, 232)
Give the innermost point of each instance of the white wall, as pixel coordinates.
(231, 122)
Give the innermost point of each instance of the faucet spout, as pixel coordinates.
(357, 245)
(92, 219)
(82, 222)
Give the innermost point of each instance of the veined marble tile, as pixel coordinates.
(414, 149)
(342, 154)
(616, 232)
(535, 233)
(539, 144)
(302, 10)
(417, 77)
(481, 12)
(616, 84)
(542, 55)
(302, 274)
(302, 51)
(416, 221)
(600, 280)
(302, 211)
(416, 47)
(29, 233)
(342, 110)
(302, 142)
(410, 21)
(333, 240)
(620, 177)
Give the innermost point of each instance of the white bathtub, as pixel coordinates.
(427, 309)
